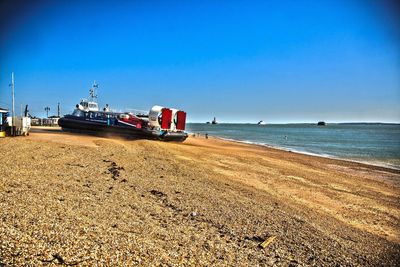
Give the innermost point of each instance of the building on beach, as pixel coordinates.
(14, 126)
(3, 120)
(3, 112)
(50, 121)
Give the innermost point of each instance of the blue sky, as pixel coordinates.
(241, 61)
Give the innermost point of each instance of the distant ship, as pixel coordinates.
(214, 121)
(261, 123)
(321, 123)
(159, 123)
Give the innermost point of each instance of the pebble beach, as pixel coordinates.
(76, 199)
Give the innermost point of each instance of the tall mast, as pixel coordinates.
(13, 101)
(93, 93)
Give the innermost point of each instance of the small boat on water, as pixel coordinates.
(321, 123)
(160, 123)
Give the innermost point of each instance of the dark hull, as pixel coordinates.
(82, 125)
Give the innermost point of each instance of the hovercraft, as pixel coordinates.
(160, 123)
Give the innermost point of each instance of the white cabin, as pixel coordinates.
(88, 105)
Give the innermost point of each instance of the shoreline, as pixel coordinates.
(304, 153)
(325, 156)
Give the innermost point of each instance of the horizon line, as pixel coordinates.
(274, 123)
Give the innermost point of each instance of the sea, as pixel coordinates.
(371, 143)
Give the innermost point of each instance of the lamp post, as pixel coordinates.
(12, 98)
(47, 109)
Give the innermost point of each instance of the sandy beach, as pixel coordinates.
(77, 199)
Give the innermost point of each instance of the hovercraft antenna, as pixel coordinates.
(93, 93)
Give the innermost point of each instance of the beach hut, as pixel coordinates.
(3, 119)
(51, 121)
(19, 125)
(35, 121)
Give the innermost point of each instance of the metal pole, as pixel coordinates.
(58, 110)
(13, 104)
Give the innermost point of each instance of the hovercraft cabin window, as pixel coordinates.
(78, 113)
(94, 115)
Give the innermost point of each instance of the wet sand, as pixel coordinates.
(79, 199)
